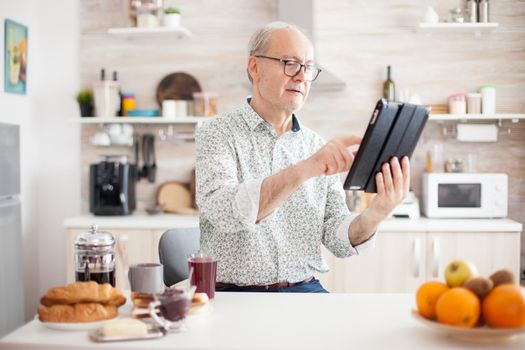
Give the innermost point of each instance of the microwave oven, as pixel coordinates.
(465, 195)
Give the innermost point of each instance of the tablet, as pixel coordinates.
(394, 130)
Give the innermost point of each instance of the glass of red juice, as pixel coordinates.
(204, 273)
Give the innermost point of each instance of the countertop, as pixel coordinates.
(279, 321)
(167, 221)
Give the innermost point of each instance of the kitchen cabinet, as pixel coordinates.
(401, 261)
(407, 251)
(395, 264)
(488, 251)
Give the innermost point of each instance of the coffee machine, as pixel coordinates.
(112, 186)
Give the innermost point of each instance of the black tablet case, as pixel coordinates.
(377, 131)
(394, 130)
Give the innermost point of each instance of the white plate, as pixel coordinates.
(73, 326)
(483, 334)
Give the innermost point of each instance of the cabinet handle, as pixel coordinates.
(435, 253)
(417, 256)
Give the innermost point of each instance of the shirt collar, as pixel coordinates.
(253, 119)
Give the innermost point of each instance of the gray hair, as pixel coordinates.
(260, 39)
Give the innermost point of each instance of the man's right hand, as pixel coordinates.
(333, 158)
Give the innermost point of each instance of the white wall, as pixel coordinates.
(49, 144)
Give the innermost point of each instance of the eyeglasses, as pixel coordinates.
(292, 68)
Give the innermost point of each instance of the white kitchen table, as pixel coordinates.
(279, 321)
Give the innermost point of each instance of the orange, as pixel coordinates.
(458, 307)
(504, 307)
(426, 297)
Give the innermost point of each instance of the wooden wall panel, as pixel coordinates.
(355, 39)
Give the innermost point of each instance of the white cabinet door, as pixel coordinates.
(395, 265)
(489, 251)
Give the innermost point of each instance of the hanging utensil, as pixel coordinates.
(149, 169)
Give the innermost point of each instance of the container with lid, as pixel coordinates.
(127, 102)
(474, 103)
(107, 98)
(457, 104)
(472, 11)
(204, 104)
(483, 11)
(95, 256)
(488, 99)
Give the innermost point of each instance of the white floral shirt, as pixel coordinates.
(235, 152)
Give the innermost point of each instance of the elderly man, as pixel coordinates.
(268, 188)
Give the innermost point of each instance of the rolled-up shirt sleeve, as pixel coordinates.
(342, 234)
(228, 204)
(247, 199)
(337, 222)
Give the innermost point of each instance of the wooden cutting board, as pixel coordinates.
(175, 197)
(177, 86)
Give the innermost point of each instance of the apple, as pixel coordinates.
(459, 271)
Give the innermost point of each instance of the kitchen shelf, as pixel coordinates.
(441, 27)
(130, 32)
(515, 117)
(142, 120)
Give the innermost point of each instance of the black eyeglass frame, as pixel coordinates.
(301, 66)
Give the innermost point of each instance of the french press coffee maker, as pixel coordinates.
(95, 257)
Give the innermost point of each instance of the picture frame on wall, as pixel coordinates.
(15, 57)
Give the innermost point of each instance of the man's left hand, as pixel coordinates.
(393, 183)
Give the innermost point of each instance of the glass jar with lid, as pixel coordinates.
(95, 256)
(204, 104)
(457, 104)
(148, 14)
(151, 7)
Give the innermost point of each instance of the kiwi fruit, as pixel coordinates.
(502, 277)
(481, 286)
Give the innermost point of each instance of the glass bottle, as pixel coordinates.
(389, 88)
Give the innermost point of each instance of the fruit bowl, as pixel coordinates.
(479, 334)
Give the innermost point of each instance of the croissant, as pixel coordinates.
(83, 292)
(77, 313)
